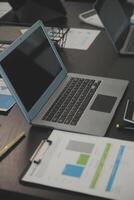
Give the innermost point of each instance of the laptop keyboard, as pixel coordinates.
(71, 103)
(130, 45)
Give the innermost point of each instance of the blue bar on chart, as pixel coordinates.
(115, 168)
(73, 170)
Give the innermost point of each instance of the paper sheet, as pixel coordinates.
(4, 8)
(95, 21)
(87, 164)
(80, 38)
(23, 30)
(77, 38)
(6, 99)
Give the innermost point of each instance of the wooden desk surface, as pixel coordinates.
(101, 60)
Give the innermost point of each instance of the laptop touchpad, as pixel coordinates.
(103, 103)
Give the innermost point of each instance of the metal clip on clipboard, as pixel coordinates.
(40, 150)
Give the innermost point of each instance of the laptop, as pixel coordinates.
(50, 96)
(117, 25)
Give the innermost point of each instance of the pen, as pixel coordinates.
(121, 126)
(7, 147)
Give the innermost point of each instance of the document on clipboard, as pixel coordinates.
(85, 164)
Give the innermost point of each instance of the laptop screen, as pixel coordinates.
(31, 67)
(114, 19)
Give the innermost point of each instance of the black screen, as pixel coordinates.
(31, 67)
(113, 18)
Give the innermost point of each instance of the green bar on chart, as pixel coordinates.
(83, 159)
(100, 166)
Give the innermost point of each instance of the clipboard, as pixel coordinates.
(39, 152)
(36, 158)
(84, 164)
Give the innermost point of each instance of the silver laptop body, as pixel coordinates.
(37, 78)
(117, 25)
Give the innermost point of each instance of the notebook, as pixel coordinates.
(117, 25)
(50, 96)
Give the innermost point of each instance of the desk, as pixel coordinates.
(101, 60)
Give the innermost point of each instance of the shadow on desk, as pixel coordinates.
(14, 196)
(9, 195)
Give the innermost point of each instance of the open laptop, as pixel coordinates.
(48, 95)
(117, 25)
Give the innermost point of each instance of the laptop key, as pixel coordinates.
(71, 104)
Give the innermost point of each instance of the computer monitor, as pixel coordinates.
(26, 12)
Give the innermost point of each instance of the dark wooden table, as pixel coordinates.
(101, 60)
